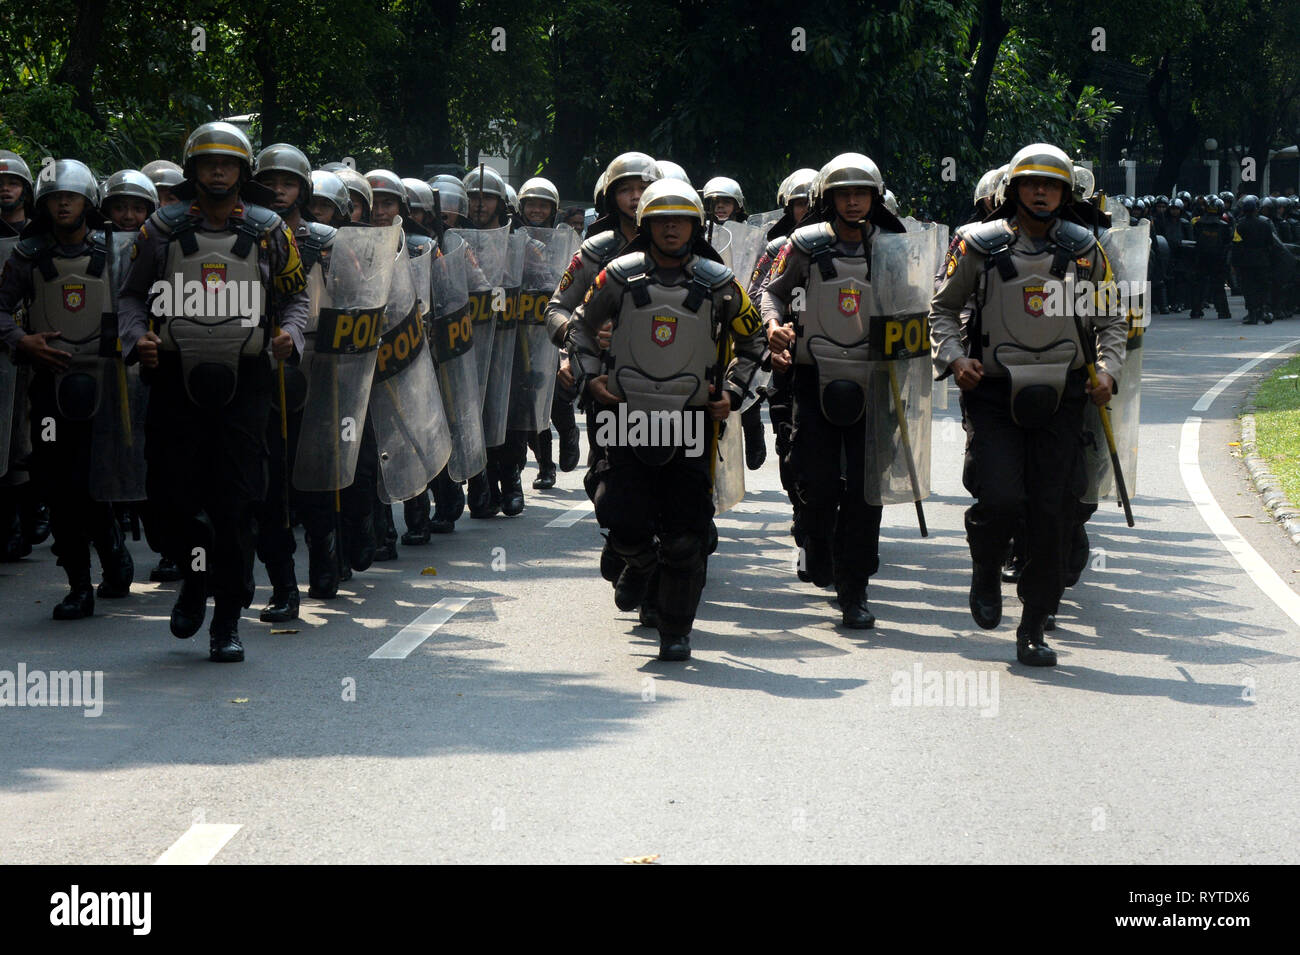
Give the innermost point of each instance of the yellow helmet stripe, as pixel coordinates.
(203, 147)
(658, 208)
(1032, 167)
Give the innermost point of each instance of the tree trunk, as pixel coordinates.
(993, 29)
(1175, 141)
(78, 68)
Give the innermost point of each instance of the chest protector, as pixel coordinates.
(233, 325)
(834, 328)
(73, 297)
(1027, 326)
(663, 348)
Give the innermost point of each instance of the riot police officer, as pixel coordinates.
(211, 381)
(674, 309)
(59, 270)
(165, 176)
(1020, 370)
(129, 199)
(724, 201)
(830, 258)
(1213, 236)
(1251, 254)
(17, 504)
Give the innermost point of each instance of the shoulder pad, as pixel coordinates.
(1073, 238)
(602, 247)
(810, 238)
(713, 274)
(626, 266)
(34, 245)
(171, 217)
(261, 218)
(773, 247)
(984, 237)
(417, 245)
(323, 235)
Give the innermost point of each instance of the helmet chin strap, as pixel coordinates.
(218, 193)
(1038, 216)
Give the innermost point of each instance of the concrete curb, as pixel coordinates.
(1283, 511)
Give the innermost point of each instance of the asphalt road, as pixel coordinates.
(534, 724)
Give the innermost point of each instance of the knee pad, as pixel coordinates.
(684, 549)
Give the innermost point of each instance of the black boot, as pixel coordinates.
(166, 572)
(1031, 649)
(1013, 568)
(611, 563)
(190, 608)
(224, 645)
(545, 463)
(36, 522)
(284, 595)
(80, 601)
(755, 437)
(359, 544)
(15, 542)
(512, 493)
(986, 595)
(118, 567)
(481, 505)
(569, 449)
(322, 566)
(416, 513)
(818, 567)
(448, 504)
(634, 581)
(853, 607)
(674, 642)
(385, 534)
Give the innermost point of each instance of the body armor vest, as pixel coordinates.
(1026, 315)
(211, 344)
(663, 347)
(834, 329)
(73, 297)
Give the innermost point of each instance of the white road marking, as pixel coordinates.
(420, 629)
(1207, 399)
(1189, 466)
(572, 515)
(199, 845)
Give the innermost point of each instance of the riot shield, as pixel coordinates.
(485, 261)
(728, 464)
(739, 251)
(1127, 248)
(451, 334)
(765, 220)
(117, 468)
(898, 406)
(405, 404)
(546, 256)
(343, 358)
(496, 394)
(8, 376)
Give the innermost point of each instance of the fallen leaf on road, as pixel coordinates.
(284, 631)
(429, 572)
(1243, 515)
(242, 699)
(1234, 444)
(641, 860)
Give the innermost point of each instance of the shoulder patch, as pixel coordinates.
(778, 264)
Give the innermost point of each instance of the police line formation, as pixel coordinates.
(227, 348)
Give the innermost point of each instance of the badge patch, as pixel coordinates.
(778, 267)
(1034, 300)
(566, 280)
(849, 300)
(74, 296)
(214, 274)
(951, 266)
(663, 330)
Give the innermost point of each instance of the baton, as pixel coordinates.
(1090, 358)
(907, 450)
(125, 403)
(284, 430)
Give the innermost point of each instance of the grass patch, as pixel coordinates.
(1277, 427)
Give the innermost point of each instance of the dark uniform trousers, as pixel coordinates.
(1016, 475)
(207, 472)
(61, 469)
(828, 465)
(637, 503)
(275, 538)
(780, 408)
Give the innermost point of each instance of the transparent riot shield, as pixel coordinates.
(765, 220)
(496, 397)
(546, 255)
(406, 406)
(1127, 247)
(898, 406)
(740, 253)
(486, 260)
(451, 333)
(117, 468)
(728, 464)
(343, 359)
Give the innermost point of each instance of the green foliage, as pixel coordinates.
(1277, 426)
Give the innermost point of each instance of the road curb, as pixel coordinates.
(1283, 511)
